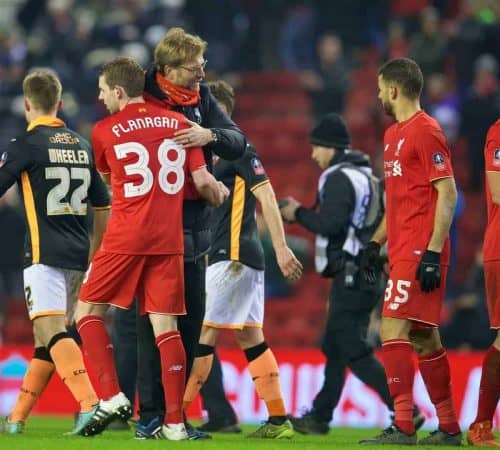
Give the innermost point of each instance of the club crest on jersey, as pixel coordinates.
(400, 146)
(496, 157)
(3, 159)
(215, 159)
(439, 161)
(257, 166)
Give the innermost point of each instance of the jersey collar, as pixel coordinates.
(48, 121)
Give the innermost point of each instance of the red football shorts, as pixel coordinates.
(405, 300)
(492, 283)
(156, 280)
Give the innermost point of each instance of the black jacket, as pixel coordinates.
(231, 144)
(332, 217)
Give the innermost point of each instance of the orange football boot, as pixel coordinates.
(480, 435)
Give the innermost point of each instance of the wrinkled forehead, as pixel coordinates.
(197, 60)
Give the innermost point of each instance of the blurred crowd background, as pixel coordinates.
(290, 62)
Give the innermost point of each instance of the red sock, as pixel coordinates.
(489, 389)
(397, 358)
(435, 371)
(173, 374)
(99, 351)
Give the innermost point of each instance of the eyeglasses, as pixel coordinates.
(197, 69)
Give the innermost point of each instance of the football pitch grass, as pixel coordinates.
(46, 433)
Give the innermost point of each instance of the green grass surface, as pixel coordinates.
(47, 434)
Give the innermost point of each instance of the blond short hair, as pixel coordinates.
(43, 88)
(177, 48)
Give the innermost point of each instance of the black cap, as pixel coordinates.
(331, 131)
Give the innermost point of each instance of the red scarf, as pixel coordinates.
(177, 95)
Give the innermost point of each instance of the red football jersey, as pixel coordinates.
(491, 248)
(148, 170)
(415, 154)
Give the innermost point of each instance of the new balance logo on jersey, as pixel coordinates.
(175, 368)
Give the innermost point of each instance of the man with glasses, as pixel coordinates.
(174, 82)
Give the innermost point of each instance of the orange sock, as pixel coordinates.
(69, 364)
(199, 373)
(265, 375)
(35, 380)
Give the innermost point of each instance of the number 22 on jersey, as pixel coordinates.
(141, 168)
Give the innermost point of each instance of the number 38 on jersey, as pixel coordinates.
(171, 157)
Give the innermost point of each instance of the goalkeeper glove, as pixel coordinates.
(429, 271)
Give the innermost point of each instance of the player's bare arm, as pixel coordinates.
(100, 222)
(215, 192)
(445, 208)
(493, 180)
(290, 266)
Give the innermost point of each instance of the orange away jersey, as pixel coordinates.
(148, 171)
(491, 248)
(415, 154)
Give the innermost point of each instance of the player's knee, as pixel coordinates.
(249, 337)
(393, 329)
(87, 309)
(425, 341)
(46, 327)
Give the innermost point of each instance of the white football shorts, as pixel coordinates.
(235, 296)
(51, 291)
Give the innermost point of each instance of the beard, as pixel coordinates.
(388, 109)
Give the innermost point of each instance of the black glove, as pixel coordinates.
(369, 264)
(429, 271)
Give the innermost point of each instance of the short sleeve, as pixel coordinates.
(98, 191)
(434, 153)
(250, 168)
(196, 159)
(13, 160)
(492, 149)
(99, 150)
